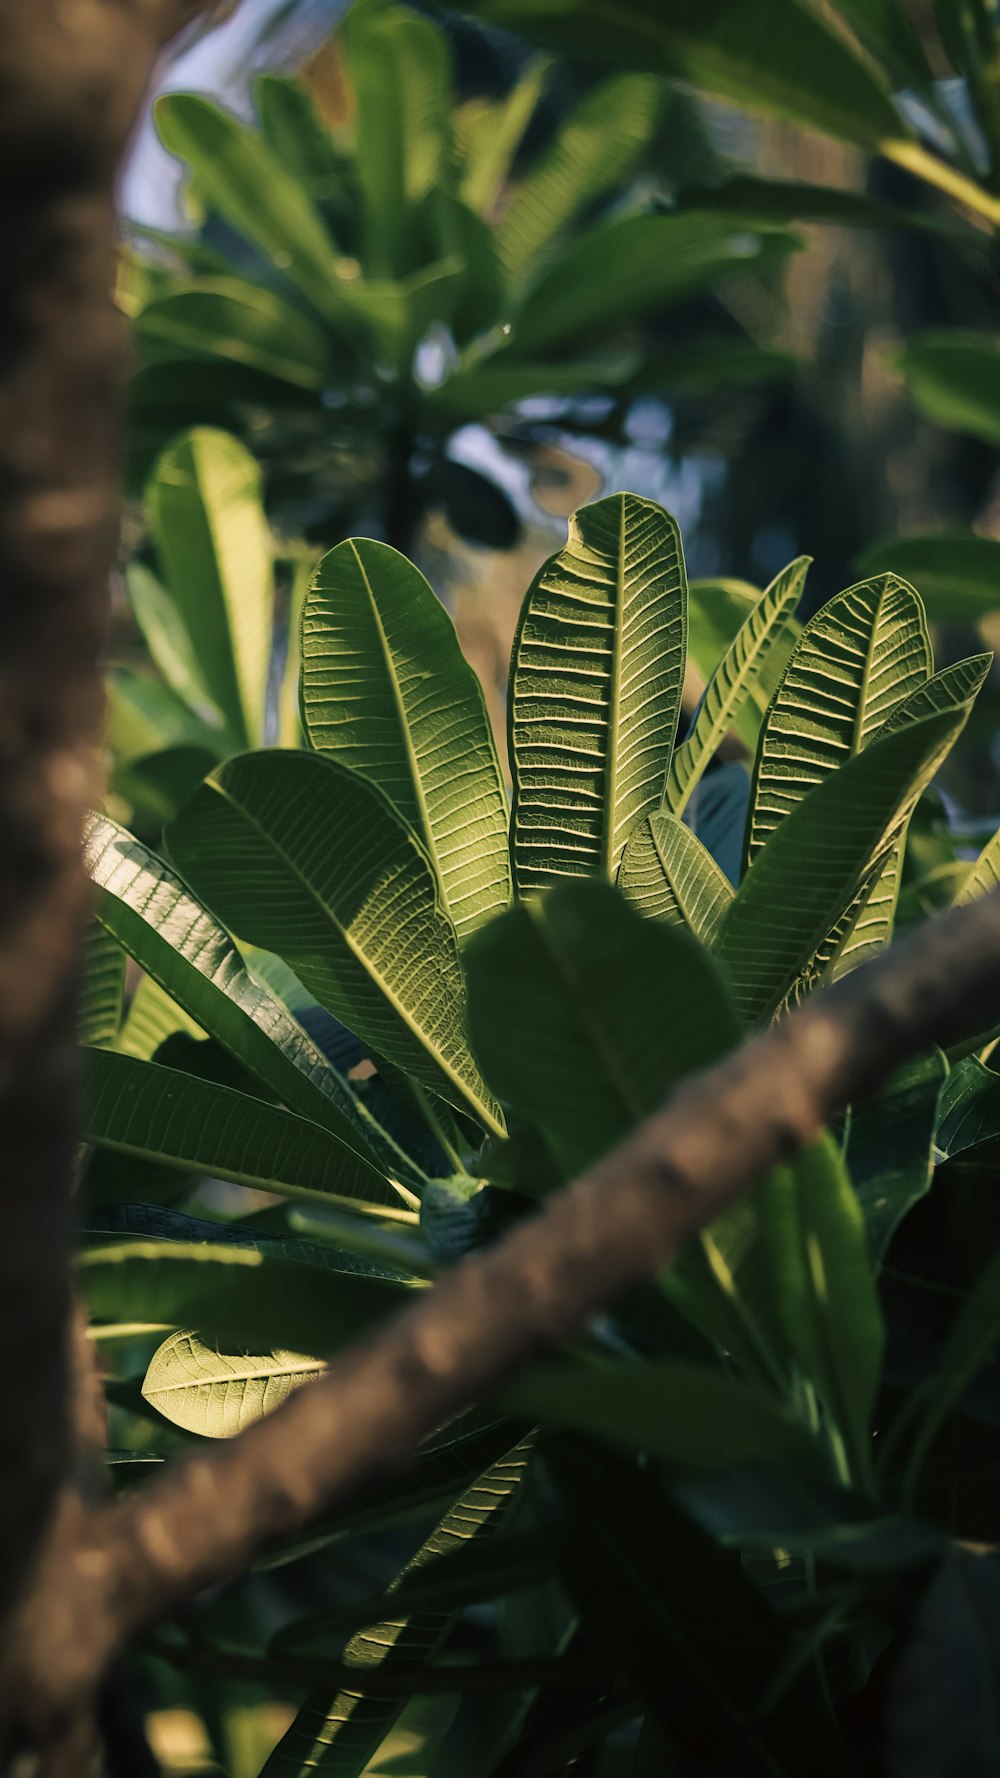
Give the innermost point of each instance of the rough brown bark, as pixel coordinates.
(117, 1569)
(72, 73)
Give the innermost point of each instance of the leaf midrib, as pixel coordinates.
(614, 704)
(396, 1004)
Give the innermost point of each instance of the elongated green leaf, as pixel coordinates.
(169, 642)
(387, 691)
(954, 378)
(684, 1414)
(339, 1732)
(491, 149)
(855, 660)
(885, 27)
(774, 56)
(240, 179)
(304, 857)
(824, 1286)
(730, 685)
(957, 573)
(596, 677)
(217, 1394)
(667, 874)
(971, 1342)
(766, 202)
(160, 1114)
(866, 927)
(984, 875)
(203, 500)
(102, 987)
(398, 67)
(626, 267)
(684, 1625)
(299, 136)
(192, 958)
(245, 1292)
(890, 1146)
(716, 611)
(970, 1108)
(467, 1575)
(591, 153)
(233, 319)
(801, 883)
(573, 1006)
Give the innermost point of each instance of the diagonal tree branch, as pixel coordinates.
(628, 1217)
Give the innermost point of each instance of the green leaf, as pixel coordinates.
(683, 1624)
(984, 875)
(824, 1286)
(398, 67)
(216, 1394)
(387, 691)
(626, 267)
(888, 32)
(159, 1114)
(233, 319)
(716, 611)
(570, 1005)
(170, 643)
(490, 154)
(180, 946)
(970, 1344)
(970, 1108)
(591, 153)
(298, 135)
(246, 1292)
(102, 987)
(304, 857)
(666, 874)
(953, 377)
(890, 1146)
(958, 574)
(596, 675)
(854, 662)
(835, 840)
(730, 685)
(203, 501)
(684, 1414)
(145, 717)
(770, 203)
(773, 56)
(153, 1017)
(339, 1732)
(240, 179)
(470, 1574)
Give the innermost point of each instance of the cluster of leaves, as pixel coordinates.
(404, 1013)
(359, 292)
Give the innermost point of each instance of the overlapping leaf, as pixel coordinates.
(733, 680)
(667, 874)
(204, 505)
(163, 1115)
(102, 987)
(957, 572)
(575, 1011)
(233, 319)
(830, 844)
(590, 154)
(824, 1288)
(304, 857)
(855, 660)
(339, 1732)
(596, 676)
(182, 948)
(386, 690)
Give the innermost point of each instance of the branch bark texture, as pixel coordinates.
(628, 1217)
(72, 73)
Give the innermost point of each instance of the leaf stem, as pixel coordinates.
(926, 166)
